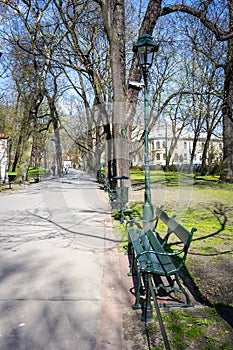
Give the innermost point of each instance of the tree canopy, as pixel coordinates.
(65, 69)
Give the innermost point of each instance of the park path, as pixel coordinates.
(63, 283)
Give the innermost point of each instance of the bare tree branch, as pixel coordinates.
(220, 34)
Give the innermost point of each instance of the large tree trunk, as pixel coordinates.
(108, 152)
(17, 153)
(204, 167)
(31, 111)
(117, 47)
(114, 21)
(58, 148)
(25, 159)
(227, 173)
(194, 146)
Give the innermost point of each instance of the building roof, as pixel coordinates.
(3, 136)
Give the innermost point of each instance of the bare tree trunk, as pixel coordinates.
(117, 46)
(25, 159)
(227, 173)
(114, 22)
(31, 113)
(58, 149)
(108, 152)
(193, 151)
(171, 151)
(204, 169)
(17, 153)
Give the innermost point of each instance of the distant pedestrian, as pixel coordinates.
(53, 170)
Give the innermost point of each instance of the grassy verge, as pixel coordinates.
(209, 265)
(34, 174)
(200, 328)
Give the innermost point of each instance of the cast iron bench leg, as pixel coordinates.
(147, 314)
(137, 304)
(183, 290)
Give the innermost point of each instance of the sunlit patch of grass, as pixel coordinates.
(209, 210)
(34, 172)
(198, 327)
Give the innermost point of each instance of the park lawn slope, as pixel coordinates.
(209, 266)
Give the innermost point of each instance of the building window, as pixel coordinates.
(157, 144)
(176, 158)
(185, 156)
(164, 156)
(185, 145)
(158, 156)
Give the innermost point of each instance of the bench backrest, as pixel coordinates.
(173, 226)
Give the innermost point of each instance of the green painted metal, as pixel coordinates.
(122, 195)
(146, 40)
(149, 257)
(161, 324)
(148, 211)
(145, 49)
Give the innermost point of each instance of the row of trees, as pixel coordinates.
(66, 65)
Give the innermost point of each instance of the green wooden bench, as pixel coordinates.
(152, 256)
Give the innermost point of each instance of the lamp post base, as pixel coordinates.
(147, 314)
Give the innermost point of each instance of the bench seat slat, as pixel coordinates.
(152, 256)
(138, 248)
(166, 265)
(138, 239)
(161, 264)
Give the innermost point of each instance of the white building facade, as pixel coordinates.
(3, 158)
(160, 140)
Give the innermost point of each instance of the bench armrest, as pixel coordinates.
(160, 253)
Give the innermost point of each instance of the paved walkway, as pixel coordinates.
(63, 283)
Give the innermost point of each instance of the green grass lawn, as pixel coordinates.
(32, 176)
(200, 202)
(32, 173)
(173, 178)
(206, 204)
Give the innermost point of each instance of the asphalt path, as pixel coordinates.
(61, 286)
